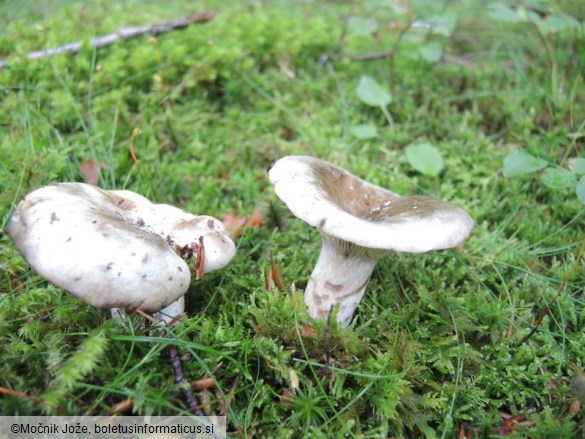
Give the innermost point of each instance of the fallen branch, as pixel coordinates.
(372, 56)
(367, 56)
(181, 379)
(121, 34)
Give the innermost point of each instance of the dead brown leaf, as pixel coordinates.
(306, 331)
(257, 218)
(90, 169)
(122, 406)
(199, 252)
(202, 383)
(286, 395)
(235, 224)
(511, 423)
(274, 276)
(462, 434)
(135, 132)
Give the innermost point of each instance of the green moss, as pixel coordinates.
(436, 344)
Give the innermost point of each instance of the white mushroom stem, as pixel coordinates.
(174, 310)
(165, 315)
(340, 277)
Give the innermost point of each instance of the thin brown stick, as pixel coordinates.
(125, 34)
(276, 274)
(372, 56)
(199, 252)
(22, 395)
(511, 325)
(327, 338)
(180, 378)
(135, 133)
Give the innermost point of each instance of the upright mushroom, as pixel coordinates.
(116, 249)
(359, 223)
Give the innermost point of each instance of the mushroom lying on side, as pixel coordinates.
(116, 249)
(359, 223)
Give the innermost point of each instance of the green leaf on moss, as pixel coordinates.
(371, 93)
(431, 51)
(505, 14)
(425, 158)
(520, 162)
(364, 132)
(558, 178)
(577, 165)
(361, 26)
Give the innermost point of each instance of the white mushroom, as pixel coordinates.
(177, 227)
(115, 249)
(359, 223)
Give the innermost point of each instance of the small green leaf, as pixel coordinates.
(577, 165)
(372, 5)
(362, 27)
(505, 14)
(371, 93)
(521, 162)
(558, 23)
(425, 158)
(425, 7)
(558, 178)
(443, 24)
(580, 188)
(431, 51)
(364, 132)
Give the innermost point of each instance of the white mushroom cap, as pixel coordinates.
(359, 222)
(346, 207)
(77, 237)
(178, 227)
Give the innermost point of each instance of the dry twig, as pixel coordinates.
(127, 33)
(181, 379)
(16, 393)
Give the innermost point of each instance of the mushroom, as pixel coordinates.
(359, 223)
(116, 249)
